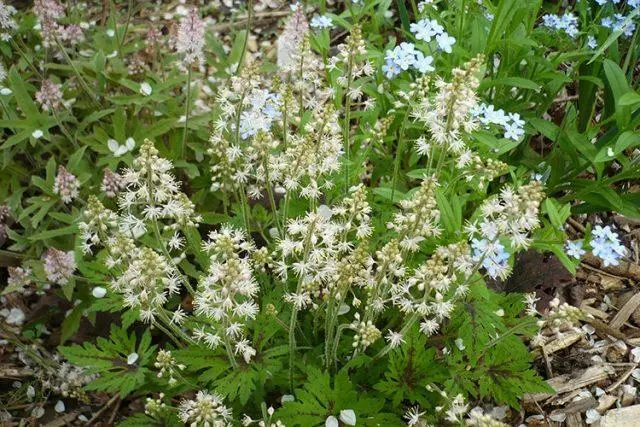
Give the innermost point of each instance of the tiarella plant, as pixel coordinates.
(312, 232)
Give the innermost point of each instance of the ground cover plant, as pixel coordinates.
(326, 213)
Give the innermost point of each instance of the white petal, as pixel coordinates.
(325, 211)
(145, 89)
(132, 358)
(59, 406)
(99, 292)
(130, 143)
(331, 422)
(37, 134)
(120, 151)
(113, 145)
(348, 417)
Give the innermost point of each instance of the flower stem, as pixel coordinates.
(399, 153)
(186, 114)
(246, 39)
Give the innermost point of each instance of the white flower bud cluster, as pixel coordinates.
(152, 188)
(155, 407)
(448, 116)
(97, 223)
(366, 333)
(168, 366)
(225, 295)
(311, 157)
(146, 282)
(205, 409)
(67, 380)
(419, 217)
(429, 291)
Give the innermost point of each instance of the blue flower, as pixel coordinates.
(574, 249)
(423, 63)
(426, 29)
(606, 245)
(445, 42)
(495, 259)
(567, 23)
(321, 22)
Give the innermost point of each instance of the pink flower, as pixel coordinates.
(49, 96)
(59, 265)
(190, 38)
(66, 185)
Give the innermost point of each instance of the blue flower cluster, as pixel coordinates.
(631, 3)
(495, 259)
(321, 22)
(512, 124)
(616, 23)
(567, 23)
(606, 245)
(428, 29)
(406, 56)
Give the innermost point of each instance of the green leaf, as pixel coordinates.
(520, 82)
(617, 87)
(71, 323)
(49, 234)
(631, 98)
(24, 100)
(385, 193)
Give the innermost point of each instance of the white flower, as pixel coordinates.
(145, 89)
(15, 316)
(99, 292)
(394, 339)
(348, 417)
(110, 33)
(445, 42)
(132, 358)
(331, 422)
(59, 406)
(37, 134)
(287, 398)
(413, 416)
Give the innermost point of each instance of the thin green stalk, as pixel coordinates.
(24, 56)
(272, 201)
(114, 14)
(83, 83)
(126, 25)
(630, 52)
(399, 152)
(186, 114)
(232, 357)
(294, 310)
(347, 125)
(63, 127)
(246, 39)
(168, 333)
